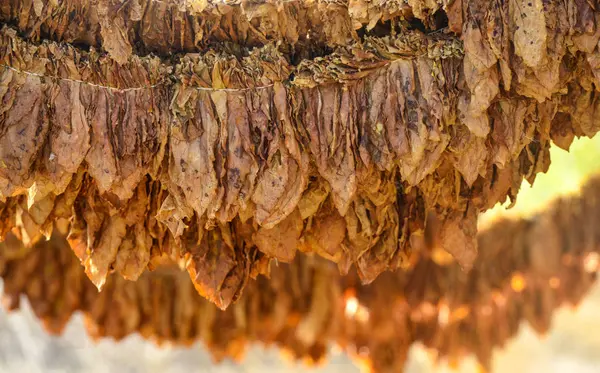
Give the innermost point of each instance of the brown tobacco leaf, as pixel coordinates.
(134, 252)
(454, 12)
(104, 253)
(18, 145)
(114, 32)
(281, 241)
(325, 234)
(530, 33)
(215, 268)
(280, 188)
(174, 26)
(458, 237)
(336, 125)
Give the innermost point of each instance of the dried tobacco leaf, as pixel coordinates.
(347, 123)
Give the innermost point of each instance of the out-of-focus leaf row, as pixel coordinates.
(524, 271)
